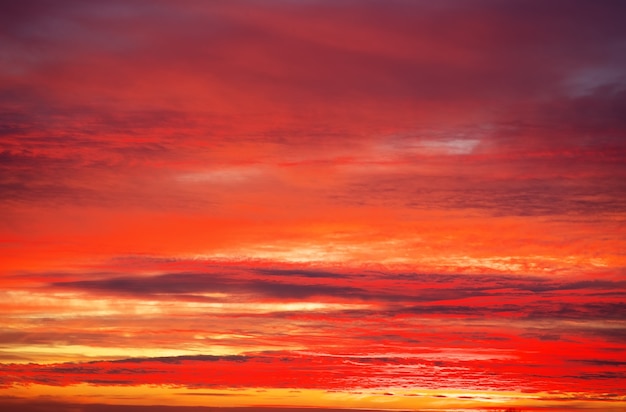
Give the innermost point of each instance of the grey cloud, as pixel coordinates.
(506, 51)
(410, 294)
(583, 310)
(595, 376)
(600, 362)
(180, 359)
(527, 197)
(189, 283)
(302, 273)
(460, 310)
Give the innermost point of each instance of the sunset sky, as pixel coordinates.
(272, 205)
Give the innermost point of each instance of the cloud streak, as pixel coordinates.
(371, 197)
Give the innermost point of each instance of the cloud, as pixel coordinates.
(351, 295)
(426, 370)
(582, 310)
(190, 283)
(402, 138)
(601, 362)
(380, 52)
(179, 359)
(302, 273)
(105, 105)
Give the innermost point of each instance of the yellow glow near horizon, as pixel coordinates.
(388, 399)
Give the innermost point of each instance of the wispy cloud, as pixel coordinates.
(313, 195)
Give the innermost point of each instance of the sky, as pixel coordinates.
(312, 205)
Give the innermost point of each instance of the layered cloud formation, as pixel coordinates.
(379, 204)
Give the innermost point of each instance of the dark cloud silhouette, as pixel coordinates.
(179, 359)
(582, 310)
(302, 273)
(601, 362)
(189, 283)
(419, 294)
